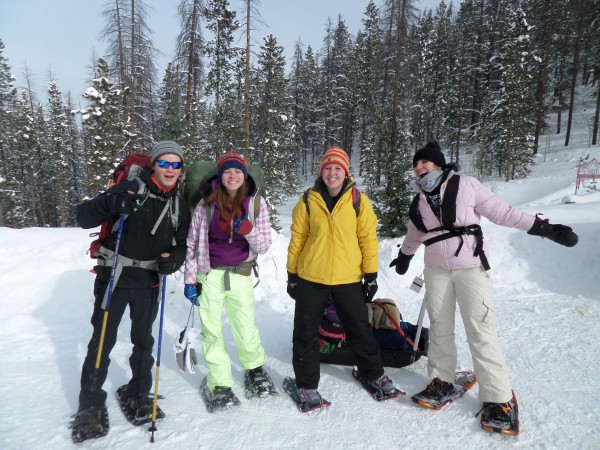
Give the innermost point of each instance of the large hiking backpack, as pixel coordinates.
(384, 314)
(127, 169)
(199, 174)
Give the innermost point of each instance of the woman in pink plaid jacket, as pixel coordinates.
(224, 239)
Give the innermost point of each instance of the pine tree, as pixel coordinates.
(369, 52)
(172, 124)
(8, 100)
(305, 93)
(273, 127)
(131, 56)
(339, 84)
(57, 159)
(222, 55)
(511, 123)
(106, 131)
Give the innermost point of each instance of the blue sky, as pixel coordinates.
(61, 35)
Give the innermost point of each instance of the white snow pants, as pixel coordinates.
(472, 290)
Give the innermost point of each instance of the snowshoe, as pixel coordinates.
(307, 400)
(438, 394)
(138, 410)
(221, 398)
(501, 417)
(89, 423)
(381, 389)
(258, 383)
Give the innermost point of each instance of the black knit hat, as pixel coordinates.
(431, 152)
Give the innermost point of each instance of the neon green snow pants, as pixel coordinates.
(239, 303)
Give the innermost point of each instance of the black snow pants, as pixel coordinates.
(348, 299)
(143, 309)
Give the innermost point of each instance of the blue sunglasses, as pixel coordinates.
(165, 164)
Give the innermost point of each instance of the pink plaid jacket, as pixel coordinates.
(197, 257)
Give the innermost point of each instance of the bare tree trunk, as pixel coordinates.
(247, 87)
(596, 115)
(575, 71)
(560, 80)
(399, 47)
(543, 79)
(190, 68)
(121, 56)
(132, 81)
(386, 60)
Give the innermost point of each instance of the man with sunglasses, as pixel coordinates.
(156, 221)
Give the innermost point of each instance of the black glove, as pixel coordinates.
(126, 203)
(369, 286)
(561, 234)
(291, 285)
(166, 265)
(401, 262)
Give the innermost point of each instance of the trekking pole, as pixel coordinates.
(152, 428)
(108, 297)
(413, 356)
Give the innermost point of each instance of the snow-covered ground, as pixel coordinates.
(548, 312)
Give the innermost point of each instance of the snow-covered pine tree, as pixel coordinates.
(272, 128)
(511, 124)
(131, 57)
(8, 100)
(172, 123)
(222, 23)
(369, 52)
(57, 159)
(105, 130)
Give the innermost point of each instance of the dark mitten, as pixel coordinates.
(126, 203)
(191, 292)
(561, 234)
(401, 262)
(166, 265)
(369, 286)
(291, 285)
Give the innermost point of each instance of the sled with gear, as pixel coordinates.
(394, 336)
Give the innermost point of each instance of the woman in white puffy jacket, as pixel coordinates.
(446, 219)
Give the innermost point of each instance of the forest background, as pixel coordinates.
(482, 78)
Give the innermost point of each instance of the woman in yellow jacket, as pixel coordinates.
(333, 248)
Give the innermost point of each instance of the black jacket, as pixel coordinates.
(137, 241)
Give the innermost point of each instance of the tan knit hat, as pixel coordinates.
(336, 155)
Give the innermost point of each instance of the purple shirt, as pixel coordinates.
(222, 251)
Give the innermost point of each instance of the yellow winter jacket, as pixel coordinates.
(333, 248)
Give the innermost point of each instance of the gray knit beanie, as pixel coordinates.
(165, 148)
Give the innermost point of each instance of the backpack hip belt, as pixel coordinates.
(106, 257)
(246, 268)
